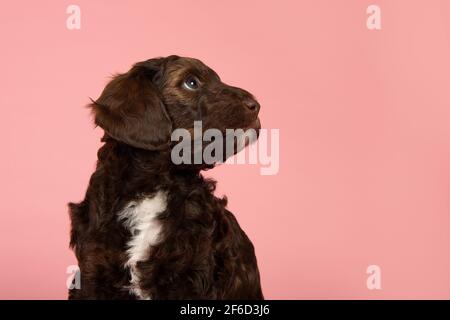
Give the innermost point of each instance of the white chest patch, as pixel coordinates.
(140, 217)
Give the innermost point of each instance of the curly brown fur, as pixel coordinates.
(202, 252)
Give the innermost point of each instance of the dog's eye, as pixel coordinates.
(191, 83)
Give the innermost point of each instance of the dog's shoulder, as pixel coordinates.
(239, 236)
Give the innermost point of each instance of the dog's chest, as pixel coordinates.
(141, 218)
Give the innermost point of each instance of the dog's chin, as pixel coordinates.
(242, 137)
(254, 125)
(246, 135)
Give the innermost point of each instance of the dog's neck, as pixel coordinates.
(125, 173)
(143, 171)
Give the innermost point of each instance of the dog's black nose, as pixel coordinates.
(252, 105)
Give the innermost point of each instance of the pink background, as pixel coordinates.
(364, 119)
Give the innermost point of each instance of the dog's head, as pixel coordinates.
(143, 106)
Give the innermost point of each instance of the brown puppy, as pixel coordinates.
(150, 229)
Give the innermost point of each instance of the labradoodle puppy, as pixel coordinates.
(148, 228)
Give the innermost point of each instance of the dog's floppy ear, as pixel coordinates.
(130, 108)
